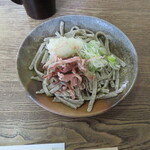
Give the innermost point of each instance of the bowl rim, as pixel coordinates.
(88, 114)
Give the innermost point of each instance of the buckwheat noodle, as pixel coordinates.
(106, 83)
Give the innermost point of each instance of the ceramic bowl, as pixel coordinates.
(120, 45)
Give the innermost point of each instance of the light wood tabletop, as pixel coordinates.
(126, 126)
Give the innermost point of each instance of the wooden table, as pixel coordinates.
(126, 126)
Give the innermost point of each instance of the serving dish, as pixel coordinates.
(121, 47)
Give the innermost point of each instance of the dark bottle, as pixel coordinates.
(38, 9)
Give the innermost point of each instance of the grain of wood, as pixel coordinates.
(22, 122)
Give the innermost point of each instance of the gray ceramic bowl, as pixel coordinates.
(119, 41)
